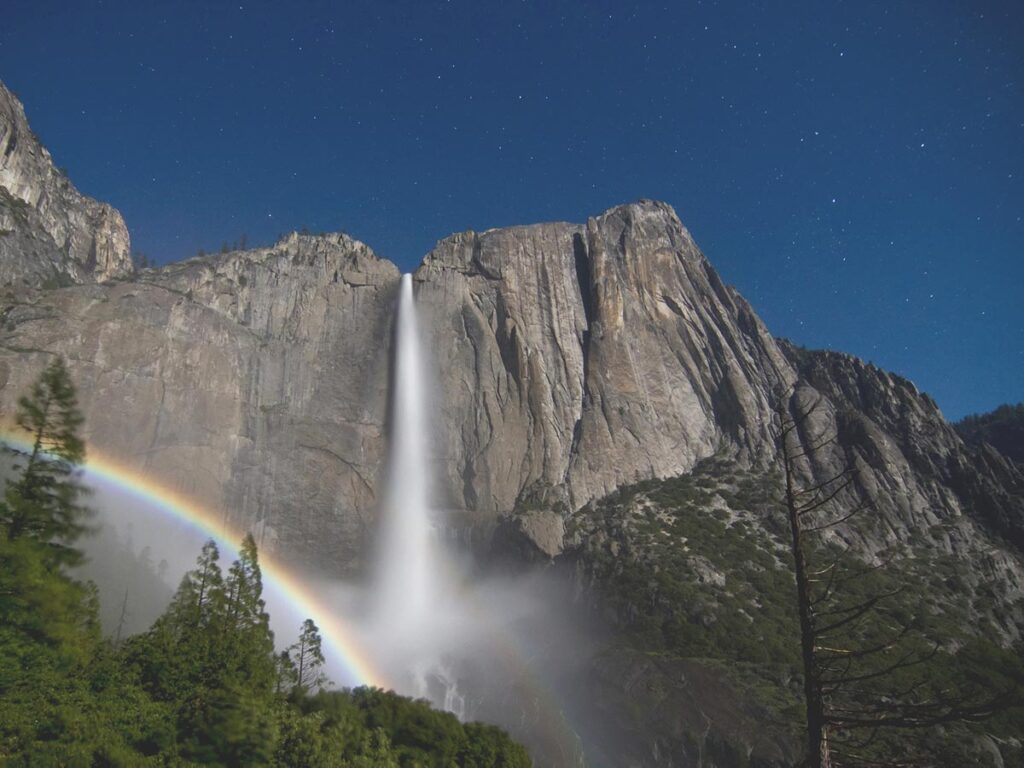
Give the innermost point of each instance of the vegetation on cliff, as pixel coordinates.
(1002, 428)
(694, 572)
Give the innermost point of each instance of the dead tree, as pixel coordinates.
(849, 645)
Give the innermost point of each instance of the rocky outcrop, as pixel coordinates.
(1002, 428)
(922, 479)
(255, 382)
(573, 359)
(50, 234)
(569, 359)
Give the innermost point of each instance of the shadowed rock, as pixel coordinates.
(50, 233)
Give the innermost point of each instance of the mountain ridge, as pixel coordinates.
(570, 360)
(49, 231)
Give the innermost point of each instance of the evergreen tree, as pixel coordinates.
(40, 518)
(55, 691)
(233, 721)
(173, 658)
(867, 668)
(285, 669)
(200, 595)
(244, 588)
(199, 686)
(307, 658)
(42, 500)
(245, 638)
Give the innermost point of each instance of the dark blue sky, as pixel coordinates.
(855, 169)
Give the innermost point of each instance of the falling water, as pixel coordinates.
(408, 569)
(411, 594)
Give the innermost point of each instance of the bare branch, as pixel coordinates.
(833, 523)
(873, 600)
(811, 506)
(825, 483)
(910, 659)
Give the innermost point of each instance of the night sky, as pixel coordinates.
(855, 169)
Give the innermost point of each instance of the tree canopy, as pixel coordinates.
(203, 685)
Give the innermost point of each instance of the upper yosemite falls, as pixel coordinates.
(567, 359)
(560, 432)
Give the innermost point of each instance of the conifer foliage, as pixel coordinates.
(307, 658)
(203, 686)
(210, 656)
(40, 518)
(42, 502)
(871, 673)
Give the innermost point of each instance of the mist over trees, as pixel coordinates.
(202, 686)
(133, 582)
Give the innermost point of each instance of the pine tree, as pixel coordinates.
(248, 643)
(49, 633)
(307, 658)
(244, 589)
(212, 656)
(201, 592)
(173, 657)
(40, 519)
(866, 668)
(232, 721)
(194, 609)
(285, 668)
(42, 500)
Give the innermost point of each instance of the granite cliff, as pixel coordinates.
(50, 233)
(254, 382)
(570, 360)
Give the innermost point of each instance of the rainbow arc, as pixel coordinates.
(341, 644)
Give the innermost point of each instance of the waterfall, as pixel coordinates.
(412, 597)
(407, 578)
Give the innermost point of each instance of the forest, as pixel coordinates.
(204, 685)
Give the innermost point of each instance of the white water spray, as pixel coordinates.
(431, 626)
(408, 575)
(411, 595)
(435, 633)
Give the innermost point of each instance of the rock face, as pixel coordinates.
(253, 382)
(910, 459)
(569, 359)
(573, 359)
(49, 232)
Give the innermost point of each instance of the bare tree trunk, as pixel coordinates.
(817, 748)
(121, 619)
(838, 671)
